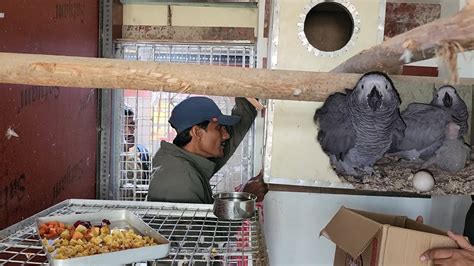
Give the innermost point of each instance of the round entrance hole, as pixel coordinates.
(328, 26)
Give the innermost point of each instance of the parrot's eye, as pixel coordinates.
(362, 86)
(386, 86)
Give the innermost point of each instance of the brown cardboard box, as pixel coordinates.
(365, 238)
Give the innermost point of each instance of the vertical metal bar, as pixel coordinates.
(135, 152)
(252, 57)
(172, 231)
(199, 54)
(211, 55)
(187, 54)
(117, 137)
(105, 22)
(168, 113)
(275, 29)
(170, 53)
(105, 186)
(228, 243)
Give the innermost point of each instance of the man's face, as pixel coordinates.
(211, 142)
(129, 132)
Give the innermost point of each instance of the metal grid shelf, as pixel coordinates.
(197, 237)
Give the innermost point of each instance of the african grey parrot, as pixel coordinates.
(448, 97)
(356, 128)
(427, 124)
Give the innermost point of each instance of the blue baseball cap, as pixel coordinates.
(195, 110)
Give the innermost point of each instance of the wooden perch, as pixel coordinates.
(422, 42)
(84, 72)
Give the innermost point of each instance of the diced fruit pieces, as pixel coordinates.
(81, 228)
(77, 235)
(65, 235)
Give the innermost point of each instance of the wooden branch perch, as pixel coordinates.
(84, 72)
(422, 42)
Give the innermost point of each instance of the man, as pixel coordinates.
(136, 158)
(469, 223)
(182, 170)
(464, 255)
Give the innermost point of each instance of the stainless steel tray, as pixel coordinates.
(122, 219)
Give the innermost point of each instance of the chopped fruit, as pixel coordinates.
(77, 235)
(42, 231)
(95, 231)
(50, 236)
(81, 228)
(65, 235)
(88, 234)
(66, 241)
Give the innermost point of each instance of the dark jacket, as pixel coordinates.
(181, 176)
(469, 224)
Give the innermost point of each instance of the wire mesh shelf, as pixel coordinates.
(197, 237)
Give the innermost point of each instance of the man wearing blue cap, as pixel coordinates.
(182, 169)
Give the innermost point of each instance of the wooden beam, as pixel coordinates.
(423, 42)
(84, 72)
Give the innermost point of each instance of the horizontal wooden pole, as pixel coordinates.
(85, 72)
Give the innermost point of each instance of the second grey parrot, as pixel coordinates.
(356, 128)
(425, 131)
(426, 125)
(447, 97)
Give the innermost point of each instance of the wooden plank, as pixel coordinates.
(68, 71)
(328, 190)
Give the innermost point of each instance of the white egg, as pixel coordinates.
(423, 181)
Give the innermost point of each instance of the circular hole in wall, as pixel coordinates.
(328, 26)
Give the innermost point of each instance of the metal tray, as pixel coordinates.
(122, 219)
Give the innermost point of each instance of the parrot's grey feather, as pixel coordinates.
(335, 140)
(453, 153)
(425, 131)
(356, 128)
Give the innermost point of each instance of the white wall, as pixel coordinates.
(293, 221)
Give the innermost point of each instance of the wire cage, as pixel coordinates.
(147, 124)
(196, 236)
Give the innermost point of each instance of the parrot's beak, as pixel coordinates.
(447, 100)
(374, 99)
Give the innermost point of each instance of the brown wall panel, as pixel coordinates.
(54, 156)
(402, 17)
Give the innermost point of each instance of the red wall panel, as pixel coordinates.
(402, 17)
(54, 156)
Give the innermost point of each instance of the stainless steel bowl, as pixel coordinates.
(234, 205)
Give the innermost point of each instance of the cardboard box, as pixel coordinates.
(365, 238)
